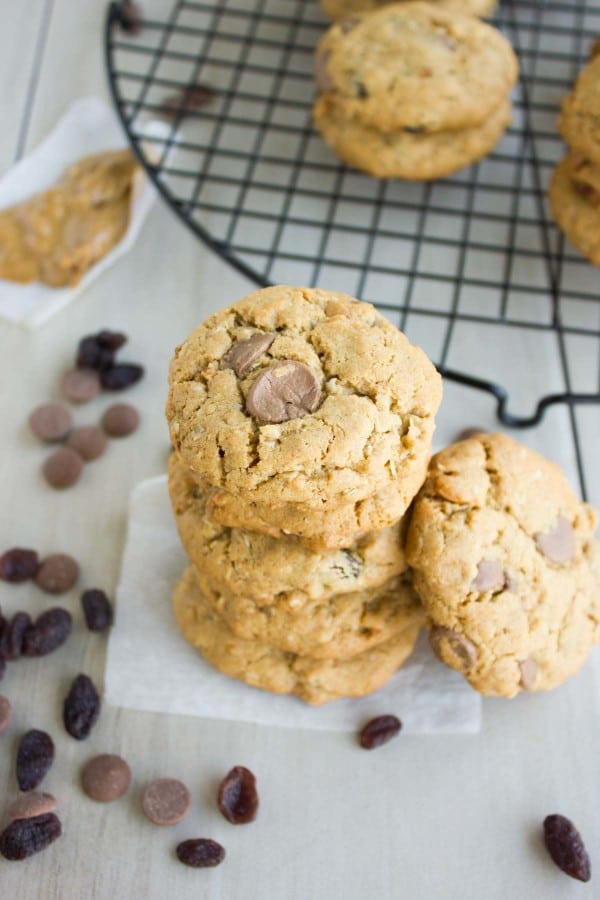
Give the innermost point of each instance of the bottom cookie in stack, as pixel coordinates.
(317, 681)
(575, 202)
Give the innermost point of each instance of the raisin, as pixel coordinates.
(18, 565)
(97, 351)
(2, 668)
(24, 837)
(238, 797)
(121, 376)
(130, 17)
(200, 853)
(81, 707)
(111, 340)
(48, 632)
(14, 633)
(96, 609)
(34, 758)
(379, 731)
(566, 847)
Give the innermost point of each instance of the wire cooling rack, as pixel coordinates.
(470, 261)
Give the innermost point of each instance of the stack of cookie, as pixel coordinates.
(343, 9)
(413, 90)
(575, 186)
(302, 423)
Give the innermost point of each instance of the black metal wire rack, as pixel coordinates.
(471, 261)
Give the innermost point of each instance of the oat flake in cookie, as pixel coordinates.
(360, 401)
(506, 565)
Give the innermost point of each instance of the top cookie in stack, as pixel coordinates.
(306, 413)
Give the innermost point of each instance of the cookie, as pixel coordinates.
(305, 397)
(506, 566)
(342, 9)
(579, 119)
(315, 680)
(575, 203)
(415, 157)
(414, 66)
(268, 571)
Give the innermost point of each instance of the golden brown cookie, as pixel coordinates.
(413, 65)
(579, 119)
(505, 563)
(342, 9)
(305, 397)
(402, 154)
(575, 202)
(316, 681)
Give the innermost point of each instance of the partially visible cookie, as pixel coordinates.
(404, 154)
(575, 202)
(266, 571)
(415, 66)
(316, 681)
(579, 119)
(342, 9)
(505, 563)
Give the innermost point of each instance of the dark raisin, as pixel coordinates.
(96, 609)
(12, 639)
(566, 847)
(81, 707)
(379, 731)
(24, 837)
(2, 668)
(361, 91)
(414, 129)
(121, 376)
(111, 340)
(48, 632)
(18, 565)
(34, 758)
(238, 797)
(90, 355)
(129, 16)
(200, 853)
(185, 101)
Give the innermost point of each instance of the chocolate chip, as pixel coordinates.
(458, 647)
(565, 846)
(558, 544)
(323, 79)
(241, 357)
(165, 801)
(18, 564)
(105, 778)
(48, 633)
(51, 422)
(89, 442)
(529, 670)
(13, 636)
(30, 805)
(63, 468)
(361, 90)
(414, 129)
(286, 390)
(200, 853)
(237, 797)
(490, 576)
(81, 707)
(57, 573)
(97, 351)
(379, 731)
(96, 609)
(121, 376)
(35, 756)
(120, 420)
(24, 837)
(80, 385)
(5, 712)
(130, 18)
(186, 101)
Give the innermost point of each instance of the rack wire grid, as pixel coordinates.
(468, 263)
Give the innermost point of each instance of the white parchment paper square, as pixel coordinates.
(151, 667)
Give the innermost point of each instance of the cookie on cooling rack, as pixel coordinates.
(343, 9)
(506, 566)
(315, 680)
(575, 203)
(579, 119)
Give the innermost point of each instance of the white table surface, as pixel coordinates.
(425, 817)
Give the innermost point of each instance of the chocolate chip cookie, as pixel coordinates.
(303, 397)
(315, 680)
(505, 563)
(343, 9)
(575, 203)
(579, 120)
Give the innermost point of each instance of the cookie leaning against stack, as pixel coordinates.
(299, 407)
(413, 90)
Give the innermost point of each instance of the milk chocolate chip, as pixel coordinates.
(558, 544)
(490, 576)
(286, 390)
(451, 646)
(241, 357)
(51, 422)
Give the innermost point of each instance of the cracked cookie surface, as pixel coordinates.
(505, 563)
(341, 9)
(361, 424)
(317, 681)
(415, 66)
